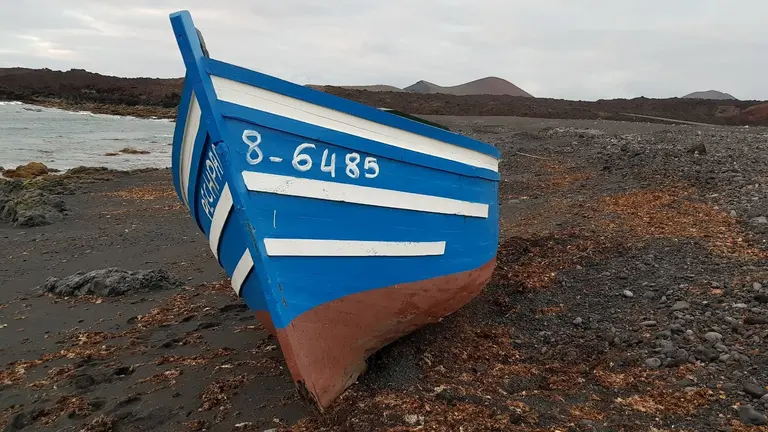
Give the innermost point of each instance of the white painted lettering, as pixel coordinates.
(370, 163)
(331, 168)
(253, 145)
(302, 162)
(352, 169)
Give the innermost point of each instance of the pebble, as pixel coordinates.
(754, 320)
(648, 324)
(653, 363)
(733, 213)
(757, 286)
(749, 416)
(720, 347)
(680, 305)
(759, 220)
(755, 390)
(578, 321)
(740, 306)
(761, 298)
(724, 358)
(663, 299)
(628, 294)
(705, 354)
(713, 337)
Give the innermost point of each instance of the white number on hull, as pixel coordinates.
(253, 146)
(303, 161)
(370, 163)
(352, 169)
(331, 168)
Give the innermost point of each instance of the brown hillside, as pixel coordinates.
(483, 86)
(80, 86)
(756, 113)
(146, 97)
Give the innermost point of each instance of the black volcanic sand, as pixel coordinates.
(631, 293)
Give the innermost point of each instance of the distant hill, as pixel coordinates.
(483, 86)
(709, 94)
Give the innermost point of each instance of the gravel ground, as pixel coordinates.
(631, 294)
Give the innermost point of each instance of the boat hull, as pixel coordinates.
(336, 338)
(341, 226)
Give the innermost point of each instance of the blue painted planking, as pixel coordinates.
(197, 166)
(306, 282)
(347, 106)
(318, 133)
(410, 177)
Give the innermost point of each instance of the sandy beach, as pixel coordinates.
(631, 293)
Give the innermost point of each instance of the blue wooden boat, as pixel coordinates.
(343, 226)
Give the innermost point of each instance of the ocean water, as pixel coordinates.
(63, 139)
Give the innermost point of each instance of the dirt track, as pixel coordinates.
(630, 293)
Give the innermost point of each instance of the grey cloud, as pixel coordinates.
(586, 49)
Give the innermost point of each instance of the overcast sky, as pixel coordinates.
(574, 49)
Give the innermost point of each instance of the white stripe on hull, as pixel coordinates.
(332, 191)
(264, 100)
(191, 127)
(220, 214)
(244, 267)
(350, 248)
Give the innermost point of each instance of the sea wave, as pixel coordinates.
(10, 103)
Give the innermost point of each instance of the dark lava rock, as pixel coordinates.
(83, 382)
(653, 363)
(749, 416)
(761, 298)
(698, 148)
(234, 307)
(111, 282)
(30, 170)
(753, 320)
(25, 207)
(755, 390)
(705, 354)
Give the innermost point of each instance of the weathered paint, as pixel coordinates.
(341, 225)
(328, 345)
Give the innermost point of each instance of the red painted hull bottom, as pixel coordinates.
(326, 348)
(266, 321)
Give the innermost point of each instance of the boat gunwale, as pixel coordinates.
(307, 94)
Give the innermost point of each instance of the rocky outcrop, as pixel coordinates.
(30, 170)
(110, 282)
(23, 206)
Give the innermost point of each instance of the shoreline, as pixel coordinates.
(138, 111)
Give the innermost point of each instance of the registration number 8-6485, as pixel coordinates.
(302, 158)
